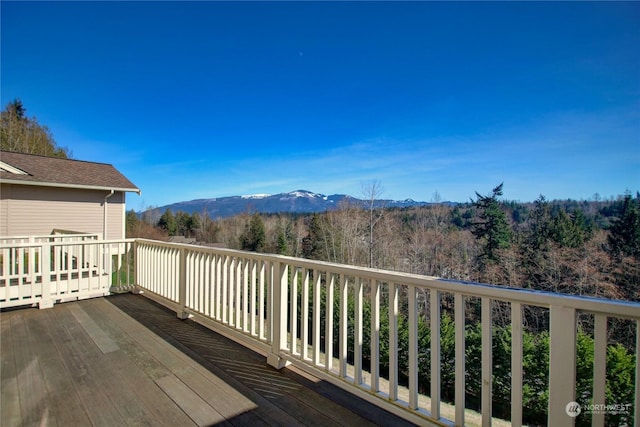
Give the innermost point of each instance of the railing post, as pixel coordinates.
(46, 301)
(182, 286)
(139, 272)
(134, 266)
(279, 317)
(562, 365)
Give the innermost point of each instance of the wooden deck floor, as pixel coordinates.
(124, 360)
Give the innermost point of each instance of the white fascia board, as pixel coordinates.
(12, 169)
(77, 186)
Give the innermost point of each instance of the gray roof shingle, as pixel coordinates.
(51, 171)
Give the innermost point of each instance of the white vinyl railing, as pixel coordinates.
(62, 268)
(54, 237)
(327, 319)
(288, 308)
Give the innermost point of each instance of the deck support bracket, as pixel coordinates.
(277, 361)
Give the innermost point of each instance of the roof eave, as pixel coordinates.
(76, 186)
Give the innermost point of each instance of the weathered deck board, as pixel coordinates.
(83, 371)
(125, 360)
(65, 404)
(32, 390)
(9, 397)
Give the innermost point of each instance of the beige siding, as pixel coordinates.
(32, 210)
(116, 215)
(5, 197)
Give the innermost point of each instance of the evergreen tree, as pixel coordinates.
(540, 225)
(313, 243)
(624, 234)
(183, 220)
(131, 223)
(282, 247)
(492, 228)
(254, 236)
(168, 223)
(195, 224)
(570, 231)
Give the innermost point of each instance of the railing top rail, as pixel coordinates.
(620, 308)
(50, 236)
(65, 243)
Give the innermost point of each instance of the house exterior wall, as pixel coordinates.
(36, 210)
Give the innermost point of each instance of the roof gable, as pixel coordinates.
(55, 172)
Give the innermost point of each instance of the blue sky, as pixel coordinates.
(210, 99)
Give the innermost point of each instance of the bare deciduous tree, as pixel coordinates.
(372, 191)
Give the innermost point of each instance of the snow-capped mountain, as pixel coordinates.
(302, 201)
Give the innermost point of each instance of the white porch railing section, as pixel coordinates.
(257, 300)
(55, 237)
(293, 311)
(48, 269)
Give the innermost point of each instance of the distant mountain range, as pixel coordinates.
(301, 201)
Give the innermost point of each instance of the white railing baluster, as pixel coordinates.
(77, 266)
(358, 332)
(100, 265)
(182, 285)
(636, 403)
(375, 336)
(207, 284)
(271, 278)
(232, 286)
(162, 270)
(413, 347)
(459, 315)
(246, 278)
(304, 322)
(343, 325)
(201, 282)
(238, 294)
(90, 267)
(193, 284)
(225, 288)
(317, 307)
(231, 290)
(32, 265)
(261, 303)
(487, 362)
(293, 309)
(393, 342)
(253, 297)
(167, 267)
(217, 288)
(434, 311)
(146, 248)
(190, 284)
(599, 366)
(328, 340)
(516, 364)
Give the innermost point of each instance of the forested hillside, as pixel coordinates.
(576, 247)
(23, 134)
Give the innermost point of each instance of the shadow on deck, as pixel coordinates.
(125, 360)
